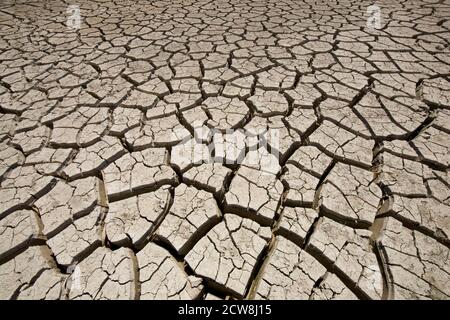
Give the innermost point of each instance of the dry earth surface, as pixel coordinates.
(94, 204)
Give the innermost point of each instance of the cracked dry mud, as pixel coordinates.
(95, 204)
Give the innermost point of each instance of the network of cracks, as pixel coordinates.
(94, 204)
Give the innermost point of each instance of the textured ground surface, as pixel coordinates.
(94, 204)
